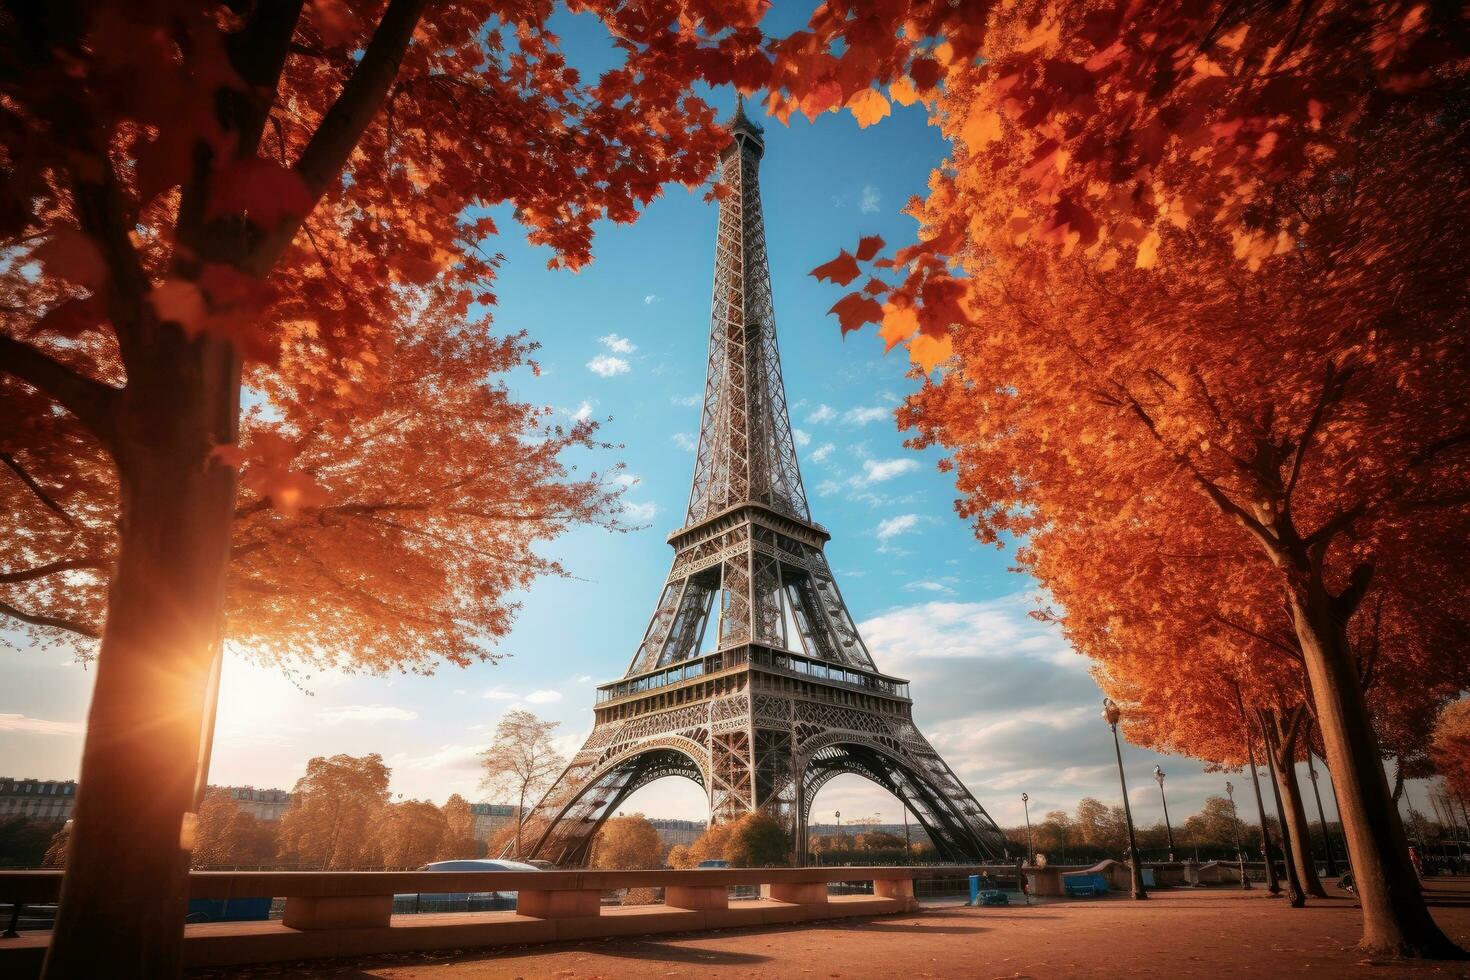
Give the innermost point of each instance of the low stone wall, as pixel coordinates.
(341, 914)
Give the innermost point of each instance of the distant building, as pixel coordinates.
(915, 830)
(47, 800)
(52, 799)
(490, 817)
(262, 804)
(673, 832)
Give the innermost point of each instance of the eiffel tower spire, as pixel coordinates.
(751, 678)
(746, 452)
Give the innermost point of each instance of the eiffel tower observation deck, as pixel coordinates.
(752, 679)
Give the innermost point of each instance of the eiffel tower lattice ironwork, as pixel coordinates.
(752, 679)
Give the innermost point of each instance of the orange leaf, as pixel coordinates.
(868, 246)
(841, 270)
(855, 309)
(981, 128)
(899, 323)
(875, 286)
(903, 91)
(930, 352)
(179, 301)
(70, 254)
(868, 106)
(262, 190)
(1148, 251)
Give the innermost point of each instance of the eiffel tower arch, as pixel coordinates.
(783, 695)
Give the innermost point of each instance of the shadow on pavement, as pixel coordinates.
(642, 950)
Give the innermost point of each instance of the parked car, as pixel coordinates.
(463, 901)
(713, 864)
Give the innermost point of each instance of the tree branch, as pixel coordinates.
(92, 402)
(330, 147)
(54, 622)
(52, 568)
(1285, 648)
(35, 488)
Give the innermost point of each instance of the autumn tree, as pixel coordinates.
(1183, 238)
(333, 811)
(523, 762)
(409, 833)
(1451, 748)
(681, 856)
(226, 836)
(751, 840)
(459, 831)
(1215, 825)
(197, 196)
(627, 843)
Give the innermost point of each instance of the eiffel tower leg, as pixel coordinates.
(618, 758)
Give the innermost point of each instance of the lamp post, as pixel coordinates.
(1321, 816)
(1168, 828)
(1030, 850)
(1272, 885)
(1235, 825)
(1111, 714)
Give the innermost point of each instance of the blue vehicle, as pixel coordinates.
(496, 901)
(713, 864)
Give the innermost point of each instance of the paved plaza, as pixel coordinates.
(1177, 933)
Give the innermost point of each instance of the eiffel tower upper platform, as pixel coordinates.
(751, 678)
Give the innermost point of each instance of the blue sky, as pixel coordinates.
(1001, 696)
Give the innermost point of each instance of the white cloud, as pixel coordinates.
(652, 298)
(607, 366)
(802, 438)
(643, 513)
(543, 697)
(823, 413)
(828, 487)
(822, 452)
(864, 415)
(39, 726)
(498, 693)
(878, 470)
(357, 713)
(461, 758)
(929, 586)
(583, 679)
(583, 412)
(684, 441)
(616, 344)
(871, 199)
(893, 526)
(687, 401)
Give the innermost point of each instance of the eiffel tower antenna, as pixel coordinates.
(752, 679)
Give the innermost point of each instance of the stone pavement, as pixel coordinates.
(1178, 933)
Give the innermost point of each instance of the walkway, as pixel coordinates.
(1180, 933)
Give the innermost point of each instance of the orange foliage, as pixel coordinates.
(1199, 267)
(1451, 748)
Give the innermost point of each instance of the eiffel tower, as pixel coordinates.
(752, 679)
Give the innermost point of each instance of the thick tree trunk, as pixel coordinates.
(125, 892)
(1395, 919)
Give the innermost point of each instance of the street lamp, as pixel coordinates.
(1111, 714)
(1030, 851)
(1321, 816)
(1235, 825)
(1168, 828)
